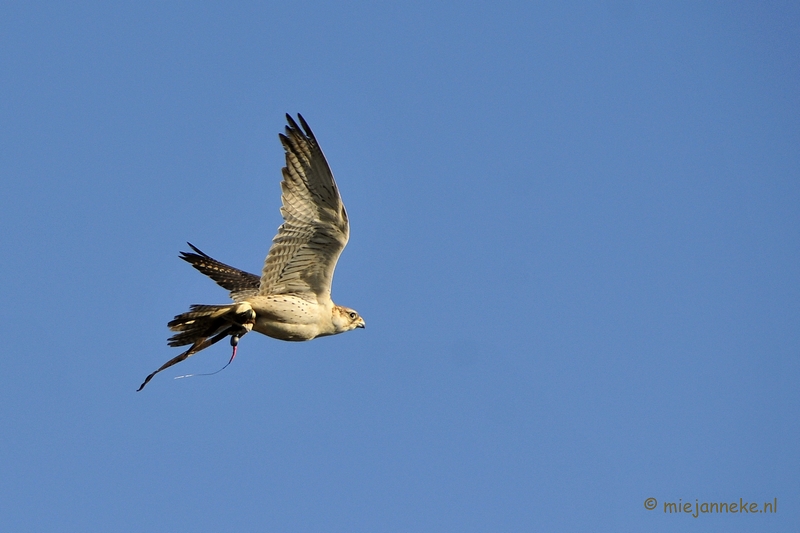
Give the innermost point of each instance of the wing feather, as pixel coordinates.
(315, 230)
(241, 284)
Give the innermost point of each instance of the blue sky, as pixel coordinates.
(575, 238)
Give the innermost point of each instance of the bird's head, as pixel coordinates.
(345, 319)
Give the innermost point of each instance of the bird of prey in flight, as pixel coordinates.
(291, 300)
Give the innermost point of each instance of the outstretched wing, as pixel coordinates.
(304, 253)
(241, 284)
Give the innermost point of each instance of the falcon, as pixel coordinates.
(291, 300)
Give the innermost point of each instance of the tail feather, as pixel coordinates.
(200, 322)
(204, 325)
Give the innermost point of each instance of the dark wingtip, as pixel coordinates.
(292, 124)
(189, 257)
(306, 128)
(293, 127)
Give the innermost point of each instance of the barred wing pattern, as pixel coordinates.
(241, 284)
(304, 253)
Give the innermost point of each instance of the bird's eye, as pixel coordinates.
(352, 315)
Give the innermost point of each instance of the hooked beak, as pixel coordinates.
(361, 324)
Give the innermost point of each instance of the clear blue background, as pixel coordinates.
(575, 241)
